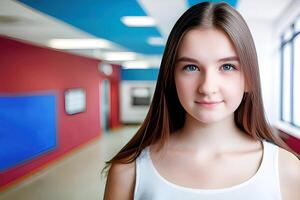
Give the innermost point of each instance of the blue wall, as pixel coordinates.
(139, 74)
(233, 3)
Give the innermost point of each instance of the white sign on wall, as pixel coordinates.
(75, 101)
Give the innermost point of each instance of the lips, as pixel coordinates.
(208, 104)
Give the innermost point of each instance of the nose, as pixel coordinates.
(208, 83)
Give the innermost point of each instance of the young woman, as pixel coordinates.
(205, 135)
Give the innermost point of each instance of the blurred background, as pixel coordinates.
(77, 77)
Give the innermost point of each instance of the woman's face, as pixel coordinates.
(208, 76)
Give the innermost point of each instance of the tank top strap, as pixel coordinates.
(269, 167)
(270, 158)
(141, 166)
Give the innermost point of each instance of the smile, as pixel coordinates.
(210, 104)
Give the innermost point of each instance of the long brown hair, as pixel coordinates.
(166, 114)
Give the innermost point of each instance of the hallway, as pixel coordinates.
(75, 176)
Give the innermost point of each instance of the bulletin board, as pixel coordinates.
(28, 127)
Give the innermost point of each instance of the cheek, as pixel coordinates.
(234, 91)
(237, 82)
(182, 91)
(184, 86)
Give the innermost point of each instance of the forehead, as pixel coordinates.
(206, 44)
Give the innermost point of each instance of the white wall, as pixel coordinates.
(262, 34)
(279, 26)
(129, 113)
(266, 34)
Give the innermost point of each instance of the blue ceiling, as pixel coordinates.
(101, 18)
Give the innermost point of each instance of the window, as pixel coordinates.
(290, 75)
(296, 83)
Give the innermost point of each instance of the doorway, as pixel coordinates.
(104, 105)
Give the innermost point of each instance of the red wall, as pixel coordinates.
(114, 120)
(291, 141)
(28, 68)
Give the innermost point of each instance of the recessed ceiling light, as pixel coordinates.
(119, 56)
(138, 21)
(156, 41)
(135, 65)
(78, 43)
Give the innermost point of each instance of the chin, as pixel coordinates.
(209, 119)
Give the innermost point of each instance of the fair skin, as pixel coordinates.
(219, 154)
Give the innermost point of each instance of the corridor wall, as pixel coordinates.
(35, 129)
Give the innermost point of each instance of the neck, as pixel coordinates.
(214, 136)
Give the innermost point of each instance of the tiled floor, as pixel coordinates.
(75, 177)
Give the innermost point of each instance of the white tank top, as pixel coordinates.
(264, 185)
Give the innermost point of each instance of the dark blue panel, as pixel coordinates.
(230, 2)
(27, 127)
(140, 74)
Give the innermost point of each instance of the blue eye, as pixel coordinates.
(228, 67)
(190, 68)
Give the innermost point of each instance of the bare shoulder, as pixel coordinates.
(289, 173)
(289, 164)
(120, 182)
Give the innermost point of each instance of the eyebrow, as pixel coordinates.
(187, 59)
